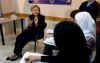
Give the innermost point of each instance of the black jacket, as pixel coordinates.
(38, 30)
(71, 44)
(92, 9)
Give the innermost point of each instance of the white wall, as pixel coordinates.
(55, 10)
(7, 6)
(52, 10)
(22, 6)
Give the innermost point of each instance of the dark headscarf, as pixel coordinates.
(71, 43)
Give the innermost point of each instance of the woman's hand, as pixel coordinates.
(36, 20)
(32, 58)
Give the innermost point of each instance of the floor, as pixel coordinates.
(8, 49)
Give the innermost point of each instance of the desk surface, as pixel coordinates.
(6, 20)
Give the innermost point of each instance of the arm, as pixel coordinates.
(42, 58)
(84, 50)
(29, 22)
(29, 59)
(82, 6)
(98, 9)
(43, 23)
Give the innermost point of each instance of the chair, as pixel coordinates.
(36, 43)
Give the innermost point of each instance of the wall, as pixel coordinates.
(7, 6)
(51, 10)
(22, 6)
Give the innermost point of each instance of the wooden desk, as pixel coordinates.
(6, 20)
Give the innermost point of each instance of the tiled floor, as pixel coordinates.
(8, 49)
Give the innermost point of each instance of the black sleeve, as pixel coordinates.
(48, 58)
(31, 17)
(84, 51)
(98, 9)
(82, 6)
(43, 24)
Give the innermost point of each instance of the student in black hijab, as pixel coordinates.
(71, 44)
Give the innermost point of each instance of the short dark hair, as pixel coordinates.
(74, 12)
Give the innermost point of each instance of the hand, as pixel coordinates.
(32, 58)
(36, 20)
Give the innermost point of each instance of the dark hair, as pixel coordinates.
(74, 12)
(68, 37)
(35, 6)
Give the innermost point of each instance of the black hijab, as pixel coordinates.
(71, 43)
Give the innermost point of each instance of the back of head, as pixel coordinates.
(69, 37)
(83, 16)
(74, 12)
(86, 22)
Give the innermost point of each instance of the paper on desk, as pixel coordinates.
(30, 54)
(50, 41)
(2, 19)
(50, 31)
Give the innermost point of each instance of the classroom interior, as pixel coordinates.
(13, 25)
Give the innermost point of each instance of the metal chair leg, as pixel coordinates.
(35, 46)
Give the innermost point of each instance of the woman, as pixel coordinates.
(88, 26)
(71, 44)
(35, 31)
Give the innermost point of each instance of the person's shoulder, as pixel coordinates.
(85, 2)
(97, 3)
(42, 16)
(31, 17)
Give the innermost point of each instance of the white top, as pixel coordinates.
(87, 24)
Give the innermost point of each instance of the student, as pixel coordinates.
(71, 44)
(35, 31)
(90, 6)
(88, 26)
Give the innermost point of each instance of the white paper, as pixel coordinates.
(30, 54)
(50, 41)
(50, 31)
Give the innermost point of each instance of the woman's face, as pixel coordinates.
(35, 11)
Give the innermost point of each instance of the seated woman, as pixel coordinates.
(35, 31)
(71, 44)
(88, 26)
